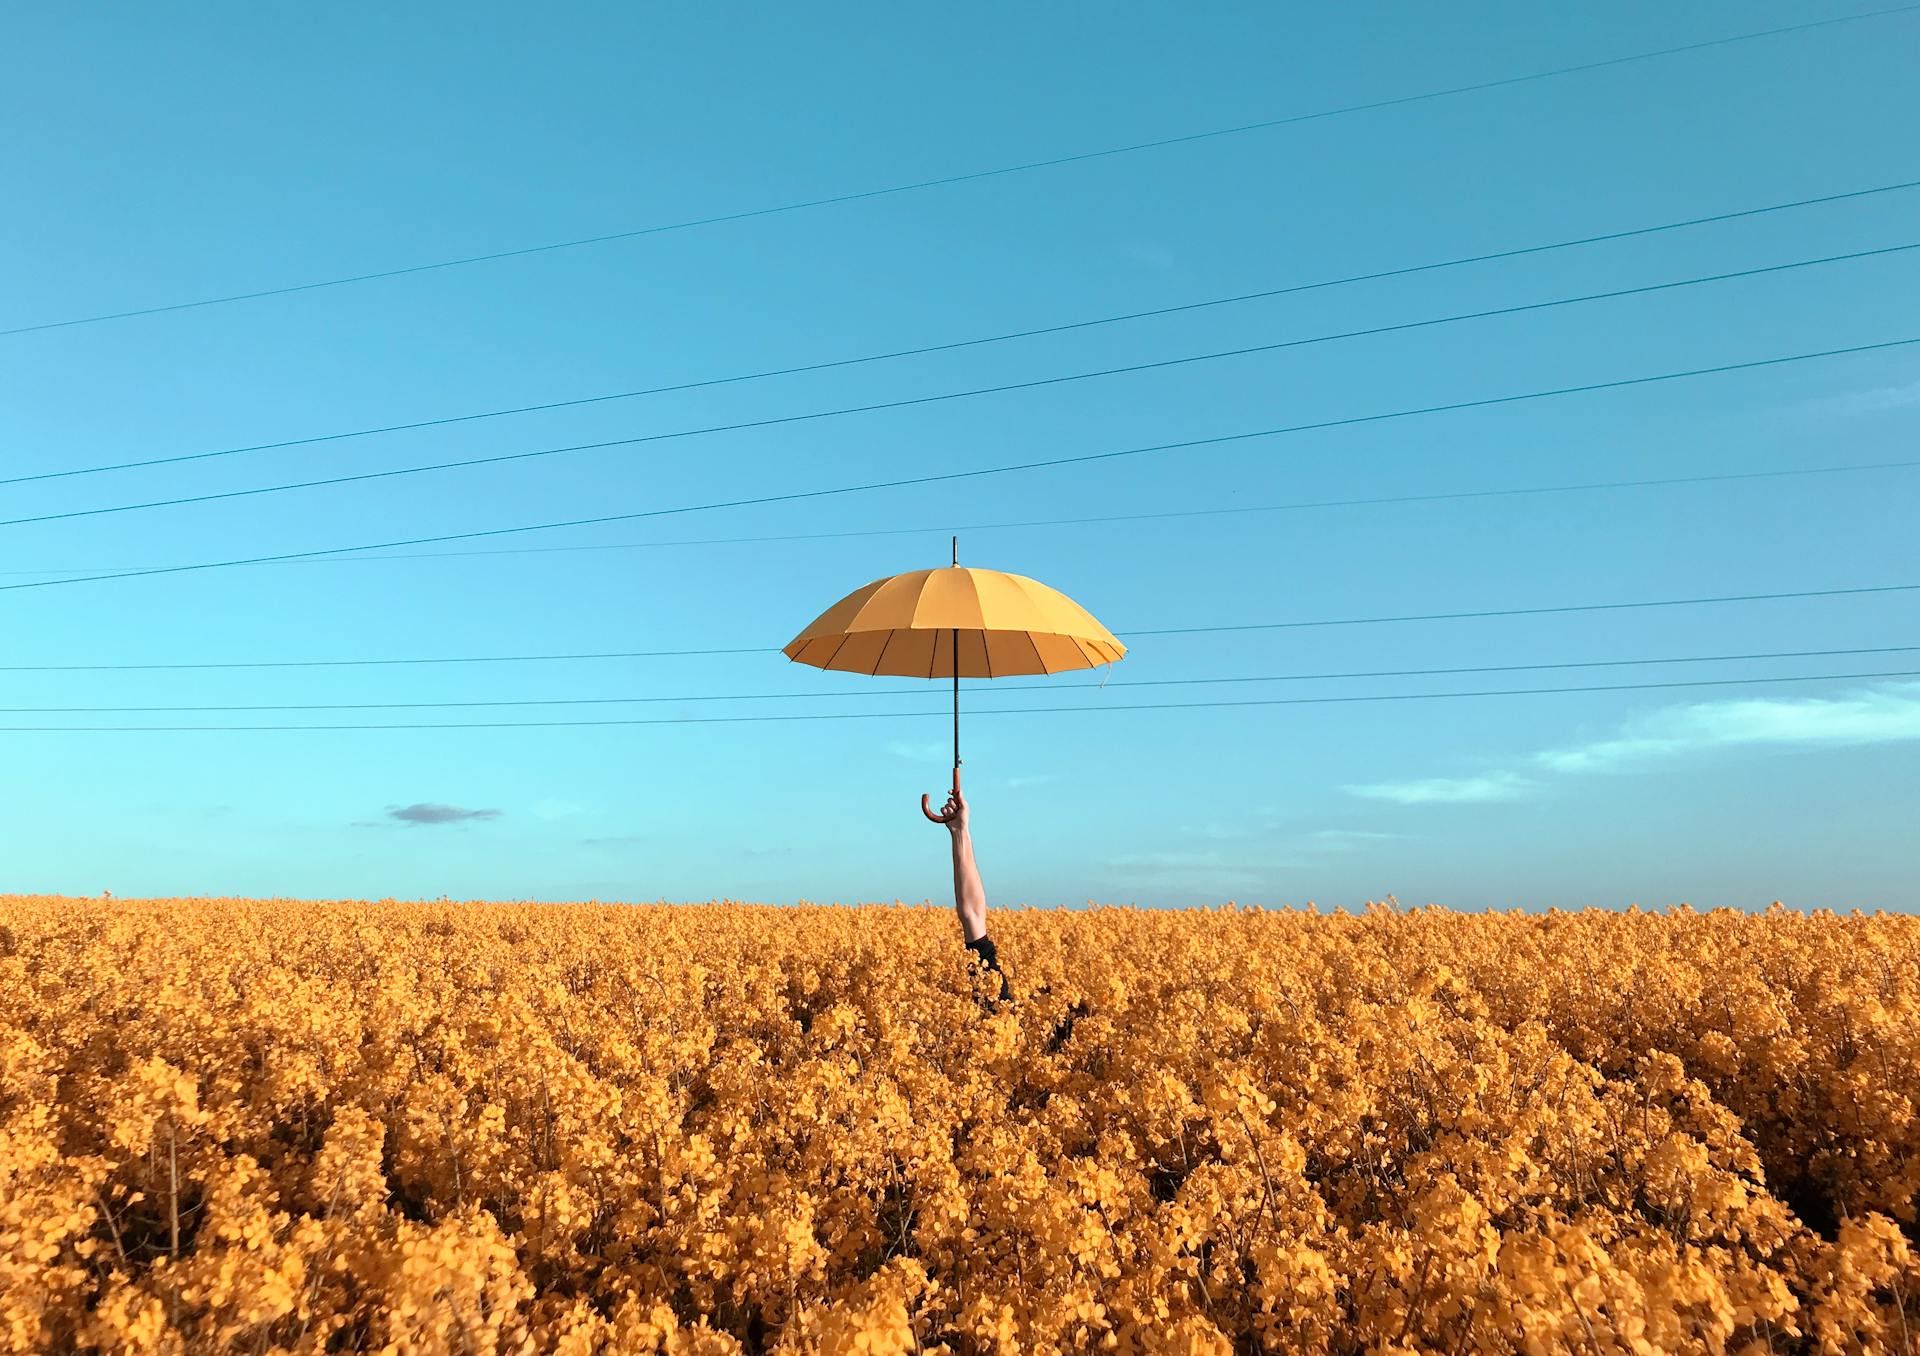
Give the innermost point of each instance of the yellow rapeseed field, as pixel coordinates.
(269, 1126)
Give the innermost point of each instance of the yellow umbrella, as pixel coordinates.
(958, 622)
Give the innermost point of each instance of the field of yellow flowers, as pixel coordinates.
(269, 1126)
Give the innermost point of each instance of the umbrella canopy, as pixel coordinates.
(955, 623)
(911, 625)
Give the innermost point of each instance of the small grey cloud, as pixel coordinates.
(428, 813)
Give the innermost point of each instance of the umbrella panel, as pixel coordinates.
(904, 652)
(963, 599)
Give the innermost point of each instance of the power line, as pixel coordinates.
(946, 180)
(944, 396)
(1525, 611)
(943, 529)
(950, 346)
(989, 711)
(768, 649)
(379, 663)
(976, 688)
(944, 476)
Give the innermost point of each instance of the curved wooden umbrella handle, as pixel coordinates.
(945, 816)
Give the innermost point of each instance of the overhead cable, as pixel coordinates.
(988, 711)
(944, 529)
(1035, 332)
(1868, 589)
(946, 180)
(1523, 611)
(981, 688)
(467, 463)
(796, 496)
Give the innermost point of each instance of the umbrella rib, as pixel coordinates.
(1038, 658)
(845, 636)
(875, 670)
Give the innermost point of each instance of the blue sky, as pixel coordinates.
(158, 158)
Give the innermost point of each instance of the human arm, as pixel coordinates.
(969, 895)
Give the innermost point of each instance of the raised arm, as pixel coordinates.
(969, 895)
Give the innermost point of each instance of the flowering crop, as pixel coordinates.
(269, 1126)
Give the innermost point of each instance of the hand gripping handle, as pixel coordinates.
(945, 816)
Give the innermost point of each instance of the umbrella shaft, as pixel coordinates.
(956, 697)
(956, 681)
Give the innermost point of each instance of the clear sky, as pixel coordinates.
(156, 155)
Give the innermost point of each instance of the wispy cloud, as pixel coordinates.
(1234, 858)
(1163, 861)
(1489, 786)
(1886, 716)
(428, 813)
(1149, 254)
(1186, 871)
(1216, 832)
(931, 751)
(617, 840)
(1344, 840)
(1877, 399)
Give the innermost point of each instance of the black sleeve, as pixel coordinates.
(984, 949)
